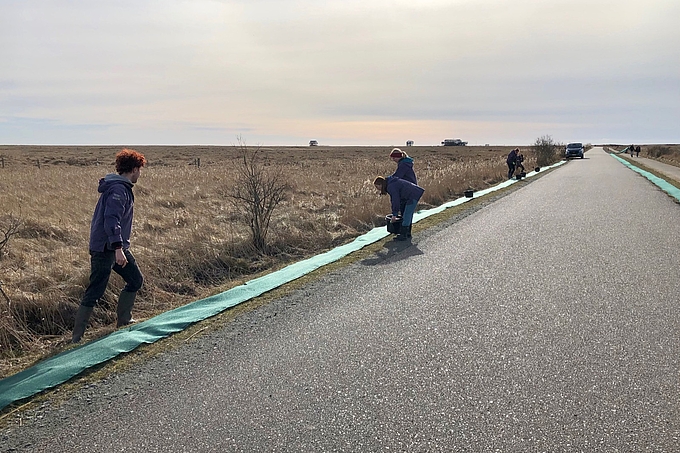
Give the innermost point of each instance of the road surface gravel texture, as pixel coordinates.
(545, 321)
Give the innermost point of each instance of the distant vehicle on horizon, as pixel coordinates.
(409, 143)
(313, 143)
(454, 142)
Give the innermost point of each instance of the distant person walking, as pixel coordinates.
(400, 190)
(632, 150)
(637, 151)
(512, 162)
(110, 242)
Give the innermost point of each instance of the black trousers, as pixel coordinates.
(101, 265)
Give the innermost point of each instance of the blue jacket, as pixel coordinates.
(405, 170)
(112, 219)
(399, 190)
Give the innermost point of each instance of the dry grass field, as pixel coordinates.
(186, 236)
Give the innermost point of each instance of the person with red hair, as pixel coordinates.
(110, 242)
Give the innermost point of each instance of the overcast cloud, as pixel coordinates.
(343, 72)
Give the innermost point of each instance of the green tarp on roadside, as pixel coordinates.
(664, 185)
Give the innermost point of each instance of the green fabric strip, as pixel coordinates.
(664, 185)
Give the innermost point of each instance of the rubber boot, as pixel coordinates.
(124, 310)
(403, 234)
(79, 326)
(409, 231)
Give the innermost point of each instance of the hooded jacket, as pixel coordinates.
(405, 170)
(112, 219)
(512, 157)
(401, 190)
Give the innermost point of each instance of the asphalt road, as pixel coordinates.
(545, 321)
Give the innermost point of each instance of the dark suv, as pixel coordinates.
(574, 150)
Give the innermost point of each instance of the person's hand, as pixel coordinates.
(120, 258)
(393, 219)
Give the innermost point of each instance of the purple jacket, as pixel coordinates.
(399, 190)
(405, 170)
(112, 219)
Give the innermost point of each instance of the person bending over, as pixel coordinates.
(400, 190)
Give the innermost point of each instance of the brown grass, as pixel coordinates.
(186, 237)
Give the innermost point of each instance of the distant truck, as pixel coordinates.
(313, 143)
(454, 142)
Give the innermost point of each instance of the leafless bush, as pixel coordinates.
(547, 151)
(13, 333)
(258, 190)
(9, 226)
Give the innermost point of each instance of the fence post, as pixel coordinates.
(198, 162)
(2, 159)
(37, 161)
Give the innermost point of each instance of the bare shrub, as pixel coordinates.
(9, 226)
(546, 150)
(259, 189)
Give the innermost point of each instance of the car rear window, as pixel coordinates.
(574, 145)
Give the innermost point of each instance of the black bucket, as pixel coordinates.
(468, 193)
(393, 227)
(537, 169)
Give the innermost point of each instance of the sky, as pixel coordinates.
(342, 72)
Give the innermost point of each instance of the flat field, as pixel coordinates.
(187, 237)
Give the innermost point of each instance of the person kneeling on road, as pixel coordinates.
(400, 191)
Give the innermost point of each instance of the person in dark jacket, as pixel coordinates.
(512, 161)
(110, 242)
(404, 166)
(400, 190)
(519, 160)
(404, 169)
